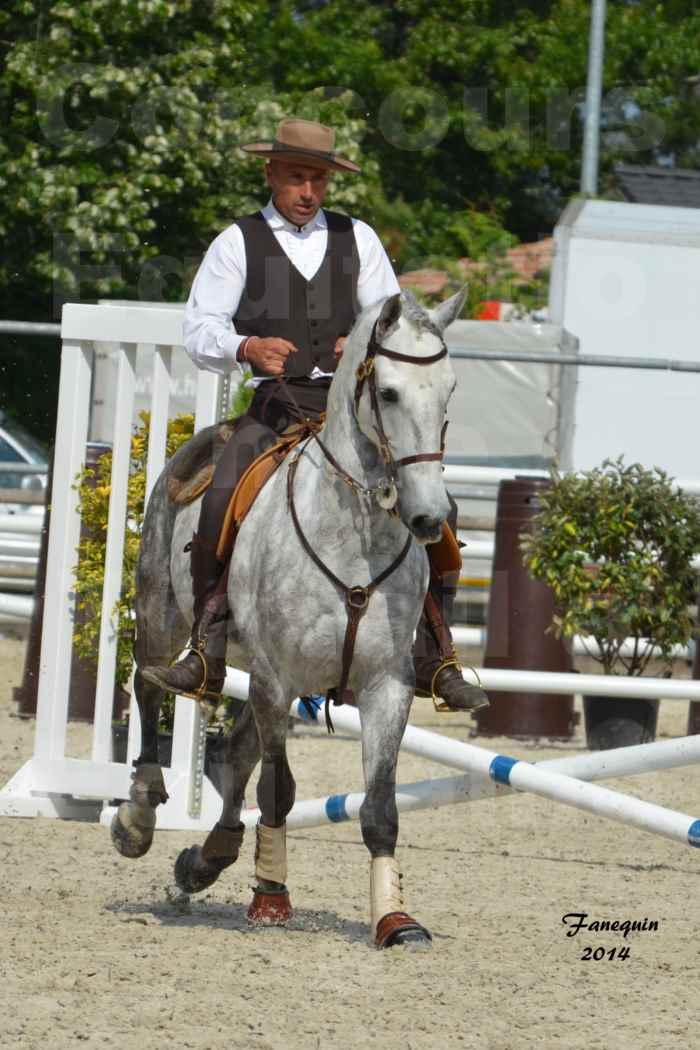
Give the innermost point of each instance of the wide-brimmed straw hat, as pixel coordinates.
(304, 141)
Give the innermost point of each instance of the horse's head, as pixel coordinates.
(402, 389)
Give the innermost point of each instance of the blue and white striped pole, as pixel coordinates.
(525, 776)
(423, 794)
(511, 772)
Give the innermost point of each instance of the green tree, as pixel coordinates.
(121, 121)
(615, 545)
(475, 106)
(119, 159)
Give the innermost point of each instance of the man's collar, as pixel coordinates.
(277, 221)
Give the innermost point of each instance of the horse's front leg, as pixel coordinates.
(384, 712)
(276, 790)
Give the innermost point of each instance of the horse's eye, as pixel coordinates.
(389, 395)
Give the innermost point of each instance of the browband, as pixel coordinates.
(374, 349)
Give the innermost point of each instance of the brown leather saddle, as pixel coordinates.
(252, 481)
(445, 556)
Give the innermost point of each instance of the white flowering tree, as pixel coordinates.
(121, 149)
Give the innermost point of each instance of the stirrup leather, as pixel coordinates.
(449, 661)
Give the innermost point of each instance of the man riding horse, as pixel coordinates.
(292, 278)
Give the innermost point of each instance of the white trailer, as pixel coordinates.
(626, 281)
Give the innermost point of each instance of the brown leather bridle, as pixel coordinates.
(365, 373)
(357, 598)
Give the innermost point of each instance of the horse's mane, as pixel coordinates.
(417, 314)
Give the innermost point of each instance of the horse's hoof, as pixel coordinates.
(132, 829)
(399, 929)
(193, 873)
(414, 940)
(270, 908)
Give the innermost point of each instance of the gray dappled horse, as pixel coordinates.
(326, 586)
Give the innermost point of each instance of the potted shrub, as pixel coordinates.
(93, 485)
(616, 544)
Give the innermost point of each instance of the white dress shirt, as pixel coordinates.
(209, 335)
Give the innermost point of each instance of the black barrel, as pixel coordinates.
(618, 721)
(520, 611)
(694, 705)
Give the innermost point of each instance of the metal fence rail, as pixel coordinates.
(30, 328)
(662, 364)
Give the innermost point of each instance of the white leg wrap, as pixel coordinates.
(271, 853)
(384, 888)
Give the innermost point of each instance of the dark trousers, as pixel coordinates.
(275, 406)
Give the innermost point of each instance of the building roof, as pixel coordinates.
(526, 261)
(677, 187)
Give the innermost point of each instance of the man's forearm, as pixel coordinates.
(211, 344)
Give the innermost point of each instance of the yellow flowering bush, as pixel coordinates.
(94, 486)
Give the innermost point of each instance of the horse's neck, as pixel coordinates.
(348, 445)
(357, 517)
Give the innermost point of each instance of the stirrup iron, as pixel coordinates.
(207, 699)
(450, 661)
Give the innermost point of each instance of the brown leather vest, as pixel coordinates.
(279, 301)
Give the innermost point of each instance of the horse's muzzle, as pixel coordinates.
(426, 529)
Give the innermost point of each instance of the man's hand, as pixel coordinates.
(268, 354)
(339, 344)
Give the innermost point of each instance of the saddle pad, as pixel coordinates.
(250, 484)
(191, 468)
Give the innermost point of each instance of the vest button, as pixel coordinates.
(315, 342)
(314, 323)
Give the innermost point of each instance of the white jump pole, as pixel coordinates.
(455, 474)
(476, 638)
(522, 776)
(590, 684)
(27, 524)
(423, 794)
(445, 791)
(483, 550)
(17, 605)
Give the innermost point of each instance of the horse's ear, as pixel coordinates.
(388, 315)
(444, 314)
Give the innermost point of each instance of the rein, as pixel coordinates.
(357, 598)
